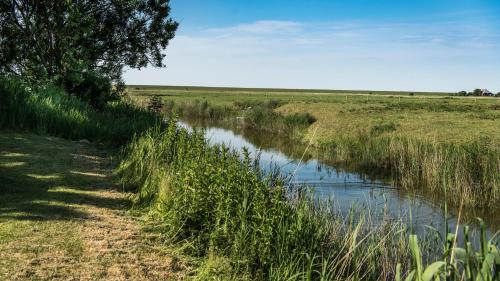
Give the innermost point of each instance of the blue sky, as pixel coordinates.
(425, 45)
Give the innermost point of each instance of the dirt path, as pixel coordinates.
(61, 218)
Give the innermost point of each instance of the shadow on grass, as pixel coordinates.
(43, 178)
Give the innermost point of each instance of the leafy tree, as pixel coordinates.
(48, 39)
(477, 92)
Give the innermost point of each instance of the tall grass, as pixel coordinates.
(48, 109)
(468, 171)
(248, 224)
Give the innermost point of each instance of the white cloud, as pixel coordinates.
(262, 27)
(344, 55)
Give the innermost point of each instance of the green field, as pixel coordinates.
(206, 90)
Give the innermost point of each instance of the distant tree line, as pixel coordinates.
(83, 45)
(477, 93)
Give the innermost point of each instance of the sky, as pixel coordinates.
(419, 45)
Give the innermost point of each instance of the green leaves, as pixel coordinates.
(433, 270)
(38, 39)
(458, 263)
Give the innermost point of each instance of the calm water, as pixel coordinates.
(348, 190)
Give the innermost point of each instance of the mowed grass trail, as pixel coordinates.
(61, 217)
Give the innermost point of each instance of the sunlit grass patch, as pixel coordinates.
(12, 164)
(13, 154)
(45, 177)
(90, 174)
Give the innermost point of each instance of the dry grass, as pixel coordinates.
(61, 218)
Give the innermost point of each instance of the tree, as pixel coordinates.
(48, 39)
(477, 92)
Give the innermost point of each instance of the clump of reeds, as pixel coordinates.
(199, 109)
(468, 171)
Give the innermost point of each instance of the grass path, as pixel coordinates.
(61, 218)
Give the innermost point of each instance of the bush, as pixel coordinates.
(91, 87)
(477, 92)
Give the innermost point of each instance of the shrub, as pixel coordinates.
(91, 87)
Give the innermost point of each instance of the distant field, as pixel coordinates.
(148, 89)
(430, 116)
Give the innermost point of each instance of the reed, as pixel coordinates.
(255, 115)
(468, 171)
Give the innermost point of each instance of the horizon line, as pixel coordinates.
(289, 89)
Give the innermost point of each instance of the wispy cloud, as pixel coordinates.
(266, 27)
(270, 53)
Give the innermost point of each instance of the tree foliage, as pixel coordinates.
(49, 39)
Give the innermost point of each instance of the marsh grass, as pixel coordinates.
(465, 263)
(468, 171)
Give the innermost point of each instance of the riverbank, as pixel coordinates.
(429, 143)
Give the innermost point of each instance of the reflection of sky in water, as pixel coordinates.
(347, 190)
